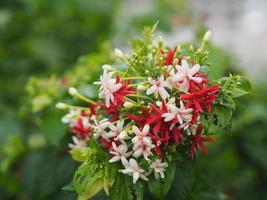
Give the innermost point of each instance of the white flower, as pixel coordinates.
(158, 87)
(115, 131)
(142, 142)
(181, 114)
(99, 127)
(71, 117)
(133, 169)
(120, 153)
(77, 143)
(108, 87)
(159, 168)
(184, 74)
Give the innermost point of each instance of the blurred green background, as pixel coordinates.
(47, 46)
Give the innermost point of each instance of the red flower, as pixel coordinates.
(113, 110)
(81, 129)
(177, 135)
(107, 144)
(197, 141)
(141, 119)
(156, 117)
(170, 56)
(200, 98)
(123, 91)
(93, 109)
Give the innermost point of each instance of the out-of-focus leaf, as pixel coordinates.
(159, 188)
(52, 127)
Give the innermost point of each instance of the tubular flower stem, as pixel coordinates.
(68, 106)
(134, 78)
(73, 91)
(139, 96)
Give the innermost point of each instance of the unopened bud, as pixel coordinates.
(107, 67)
(160, 40)
(141, 88)
(73, 91)
(61, 106)
(123, 135)
(128, 104)
(207, 36)
(118, 53)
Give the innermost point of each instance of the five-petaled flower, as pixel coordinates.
(159, 168)
(176, 114)
(159, 87)
(108, 87)
(133, 169)
(142, 142)
(185, 74)
(120, 153)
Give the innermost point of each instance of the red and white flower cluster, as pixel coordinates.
(138, 118)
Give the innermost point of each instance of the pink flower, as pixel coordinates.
(115, 131)
(159, 168)
(119, 153)
(158, 87)
(176, 114)
(142, 142)
(77, 143)
(133, 169)
(108, 87)
(185, 74)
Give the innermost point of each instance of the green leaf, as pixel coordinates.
(88, 179)
(139, 190)
(238, 92)
(159, 188)
(224, 115)
(51, 126)
(121, 189)
(69, 188)
(81, 154)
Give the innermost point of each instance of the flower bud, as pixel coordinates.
(128, 104)
(118, 53)
(160, 40)
(61, 106)
(73, 91)
(141, 88)
(207, 36)
(107, 67)
(123, 135)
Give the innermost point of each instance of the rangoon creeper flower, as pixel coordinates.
(159, 168)
(176, 114)
(115, 131)
(133, 169)
(158, 87)
(77, 143)
(142, 142)
(108, 87)
(185, 74)
(99, 127)
(120, 153)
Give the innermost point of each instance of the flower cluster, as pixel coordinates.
(148, 110)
